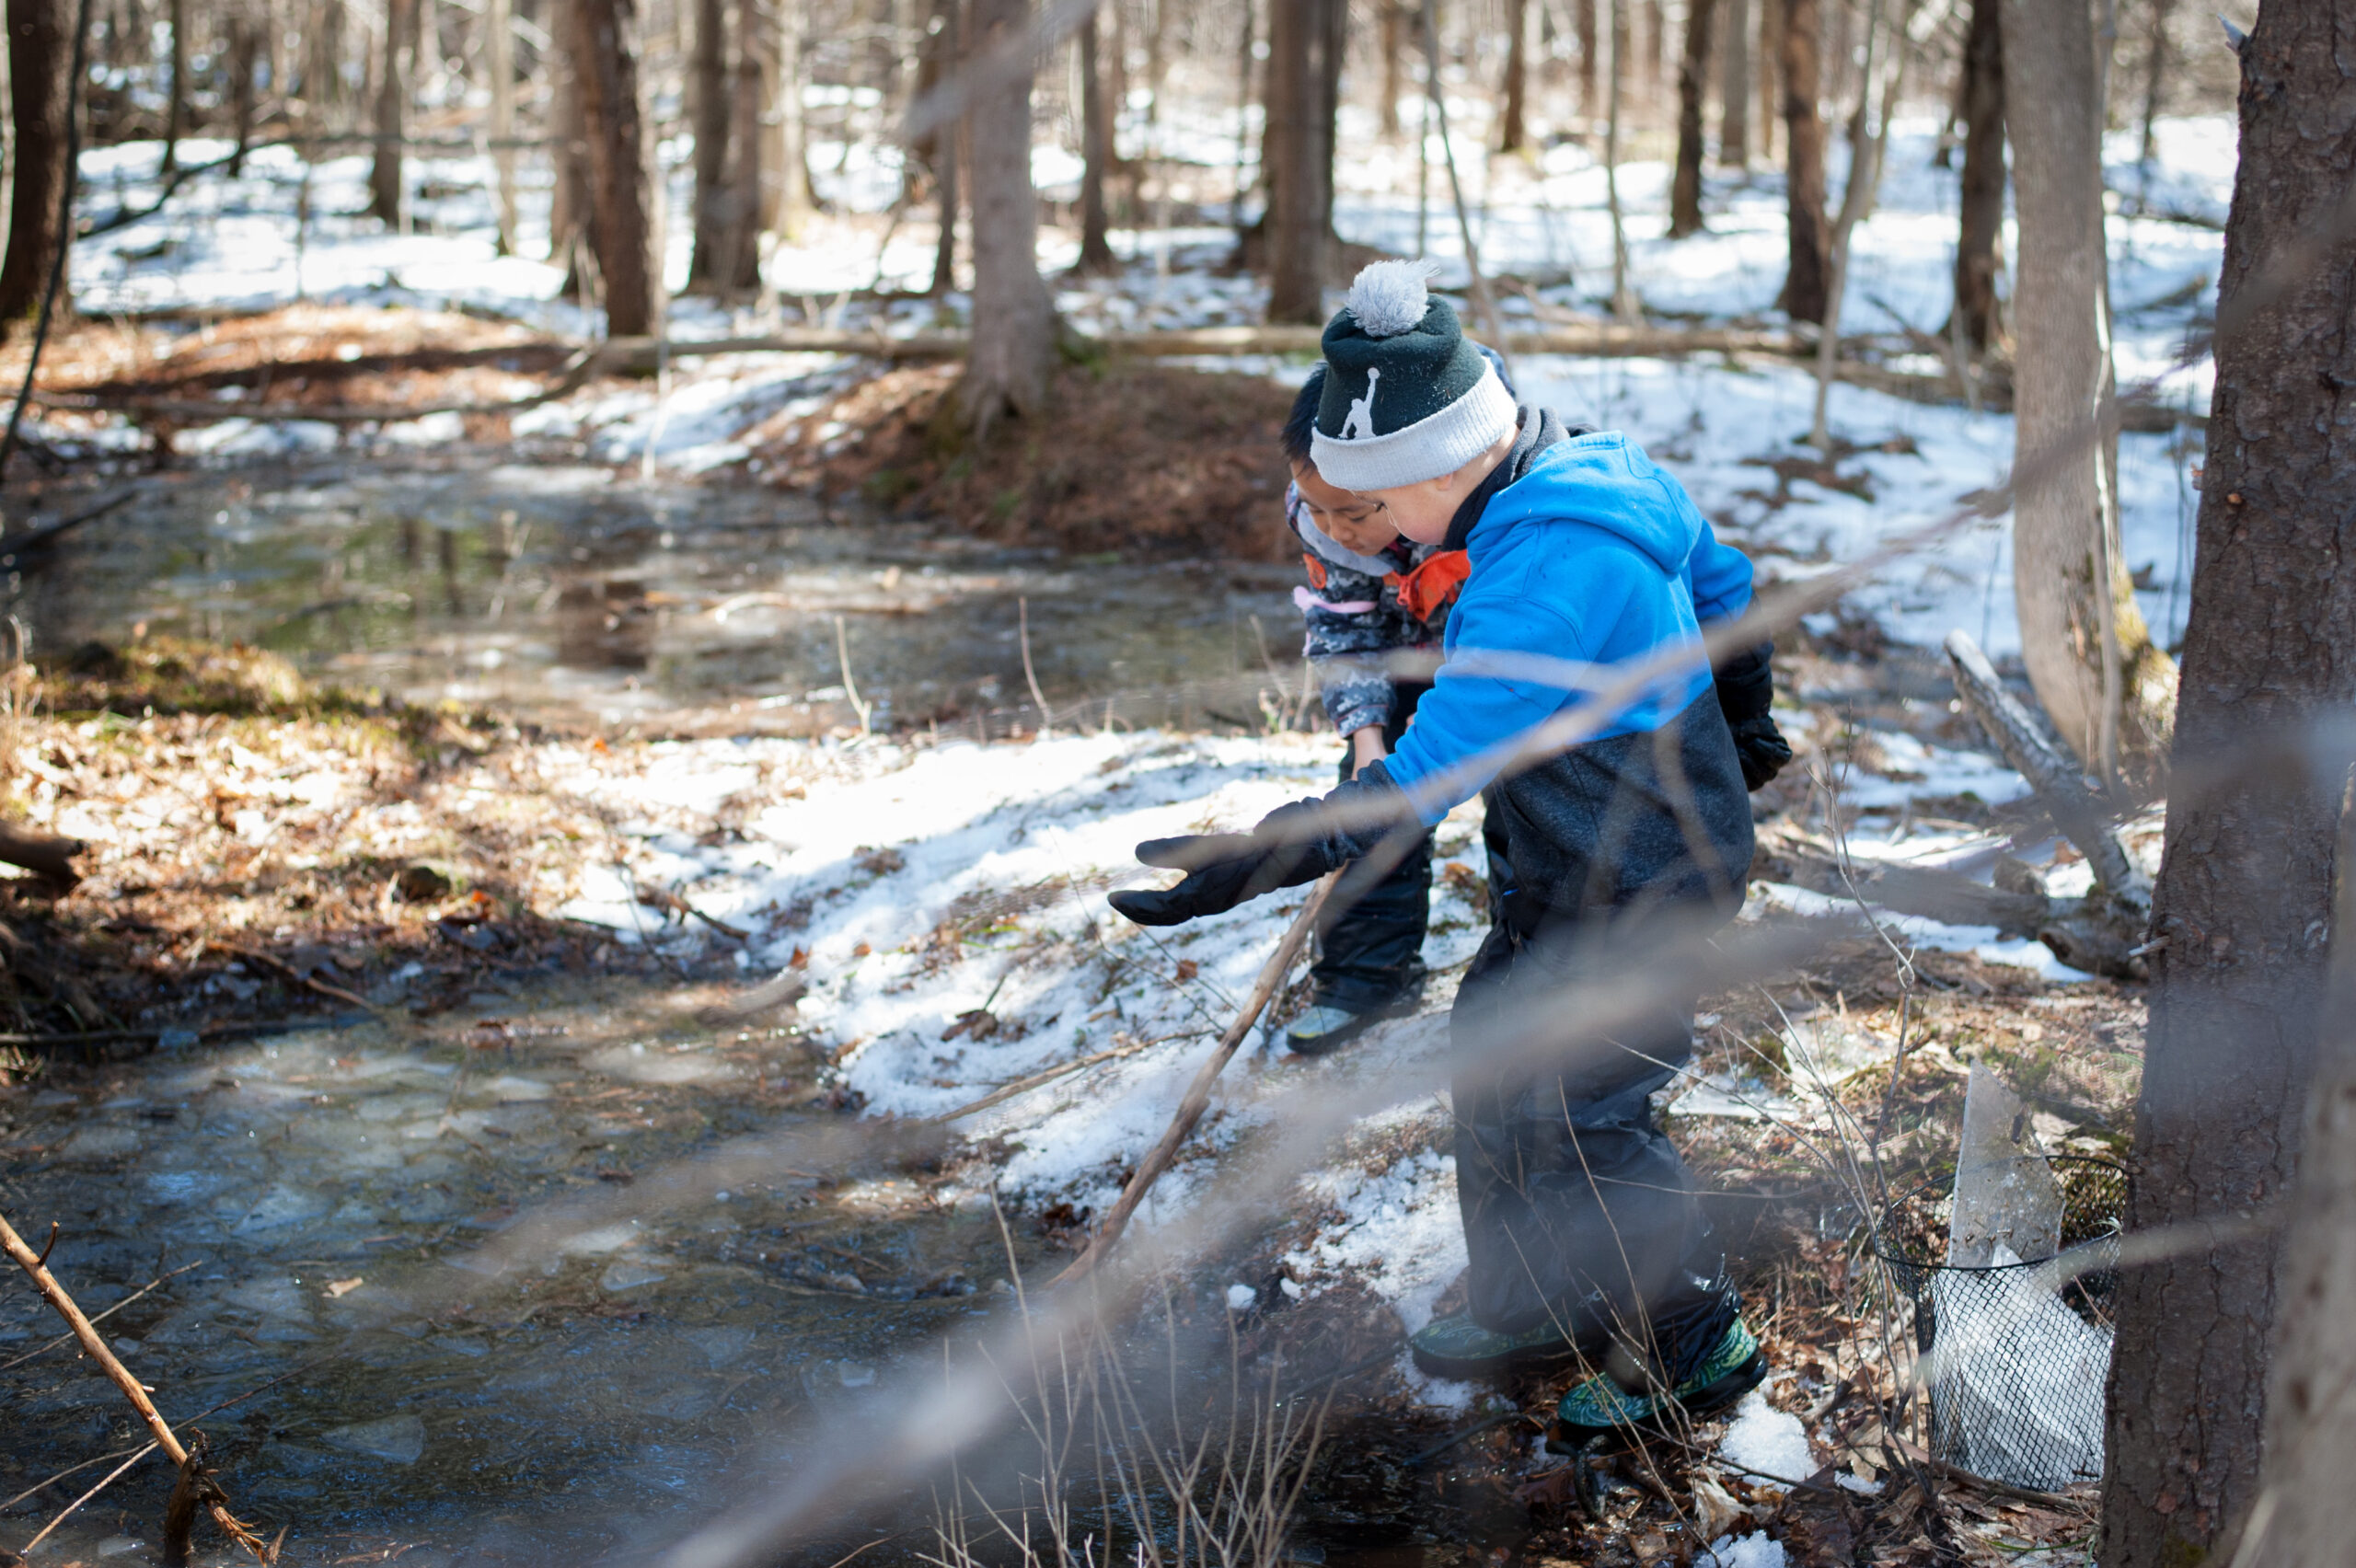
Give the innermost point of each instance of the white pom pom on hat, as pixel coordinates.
(1390, 297)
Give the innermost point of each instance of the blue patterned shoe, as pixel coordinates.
(1461, 1350)
(1602, 1405)
(1324, 1029)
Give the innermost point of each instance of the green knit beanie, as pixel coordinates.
(1407, 396)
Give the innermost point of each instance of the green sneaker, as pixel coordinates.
(1602, 1405)
(1457, 1348)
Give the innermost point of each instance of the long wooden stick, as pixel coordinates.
(95, 1347)
(1198, 1093)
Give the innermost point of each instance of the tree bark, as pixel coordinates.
(2245, 898)
(501, 66)
(1514, 135)
(175, 95)
(2155, 65)
(1804, 283)
(785, 166)
(605, 74)
(1305, 43)
(1014, 320)
(570, 240)
(40, 53)
(2108, 691)
(739, 261)
(712, 117)
(245, 46)
(1393, 22)
(1583, 25)
(1685, 185)
(1734, 89)
(1981, 226)
(941, 146)
(387, 198)
(1096, 147)
(1770, 76)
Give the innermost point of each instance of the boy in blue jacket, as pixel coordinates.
(1583, 1234)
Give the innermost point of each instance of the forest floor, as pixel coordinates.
(458, 787)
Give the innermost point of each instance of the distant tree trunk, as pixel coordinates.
(1583, 25)
(244, 50)
(1513, 135)
(1305, 44)
(1770, 76)
(1734, 89)
(941, 146)
(1685, 186)
(1980, 231)
(1804, 284)
(2155, 65)
(712, 117)
(40, 53)
(570, 240)
(1656, 47)
(387, 198)
(1014, 320)
(605, 74)
(500, 33)
(739, 260)
(785, 164)
(2108, 691)
(177, 87)
(1096, 147)
(2245, 903)
(1393, 23)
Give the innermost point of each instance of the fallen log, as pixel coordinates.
(46, 856)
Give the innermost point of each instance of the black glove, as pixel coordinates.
(1292, 844)
(1746, 695)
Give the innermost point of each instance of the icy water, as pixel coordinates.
(327, 1195)
(563, 592)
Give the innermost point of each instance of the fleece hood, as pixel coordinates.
(1605, 481)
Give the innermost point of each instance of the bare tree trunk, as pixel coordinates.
(175, 95)
(1770, 76)
(1656, 48)
(569, 238)
(2246, 896)
(1734, 89)
(785, 167)
(941, 146)
(1583, 24)
(2108, 691)
(1014, 320)
(604, 73)
(40, 53)
(1624, 302)
(244, 49)
(1514, 135)
(386, 183)
(1393, 23)
(1096, 144)
(1980, 227)
(712, 119)
(1880, 86)
(2155, 65)
(1685, 185)
(1305, 43)
(1804, 285)
(501, 38)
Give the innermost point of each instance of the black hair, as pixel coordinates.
(1302, 423)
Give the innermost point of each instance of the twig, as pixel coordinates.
(1198, 1093)
(321, 986)
(99, 1318)
(664, 899)
(1023, 622)
(850, 687)
(95, 1347)
(112, 1476)
(1006, 1092)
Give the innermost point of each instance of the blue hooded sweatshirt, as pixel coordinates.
(1588, 552)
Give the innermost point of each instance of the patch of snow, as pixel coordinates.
(1753, 1550)
(1763, 1441)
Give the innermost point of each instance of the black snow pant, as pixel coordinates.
(1370, 938)
(1577, 1209)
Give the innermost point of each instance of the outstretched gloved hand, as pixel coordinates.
(1746, 686)
(1292, 844)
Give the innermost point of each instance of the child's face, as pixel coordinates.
(1351, 521)
(1419, 512)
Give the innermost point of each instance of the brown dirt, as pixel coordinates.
(1136, 459)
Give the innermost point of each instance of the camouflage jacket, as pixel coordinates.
(1360, 609)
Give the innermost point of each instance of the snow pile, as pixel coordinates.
(2017, 1378)
(1762, 1441)
(1755, 1551)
